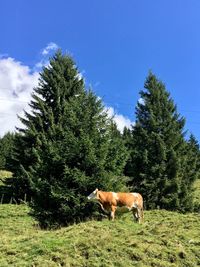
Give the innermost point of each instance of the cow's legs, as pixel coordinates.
(137, 214)
(112, 214)
(140, 214)
(102, 207)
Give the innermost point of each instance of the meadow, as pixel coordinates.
(197, 193)
(164, 239)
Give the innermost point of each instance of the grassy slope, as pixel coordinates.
(165, 239)
(197, 191)
(4, 175)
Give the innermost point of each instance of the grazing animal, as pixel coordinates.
(109, 201)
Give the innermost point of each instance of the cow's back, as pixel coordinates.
(129, 199)
(108, 198)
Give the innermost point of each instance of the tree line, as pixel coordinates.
(69, 146)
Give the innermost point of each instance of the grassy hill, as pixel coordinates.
(4, 175)
(197, 192)
(165, 239)
(5, 189)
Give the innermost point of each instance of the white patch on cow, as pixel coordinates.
(93, 195)
(135, 194)
(115, 196)
(112, 215)
(134, 205)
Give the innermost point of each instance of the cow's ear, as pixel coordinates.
(97, 189)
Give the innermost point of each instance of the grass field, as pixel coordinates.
(197, 192)
(4, 175)
(165, 239)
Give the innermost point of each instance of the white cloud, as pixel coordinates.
(141, 101)
(80, 76)
(16, 84)
(119, 119)
(50, 47)
(46, 53)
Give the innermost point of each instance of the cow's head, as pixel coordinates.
(93, 195)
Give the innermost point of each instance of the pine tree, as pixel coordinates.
(158, 142)
(190, 171)
(129, 144)
(64, 149)
(6, 150)
(117, 157)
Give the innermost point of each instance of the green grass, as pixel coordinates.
(4, 175)
(197, 192)
(165, 239)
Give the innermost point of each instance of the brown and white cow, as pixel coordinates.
(109, 201)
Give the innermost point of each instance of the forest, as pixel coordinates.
(69, 146)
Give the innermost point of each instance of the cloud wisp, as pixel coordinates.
(119, 119)
(45, 54)
(49, 48)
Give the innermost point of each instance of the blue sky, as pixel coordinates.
(114, 43)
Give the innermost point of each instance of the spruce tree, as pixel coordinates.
(64, 149)
(6, 150)
(190, 168)
(155, 165)
(116, 160)
(129, 144)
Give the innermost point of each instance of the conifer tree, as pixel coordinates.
(6, 150)
(129, 143)
(158, 150)
(64, 149)
(190, 171)
(117, 157)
